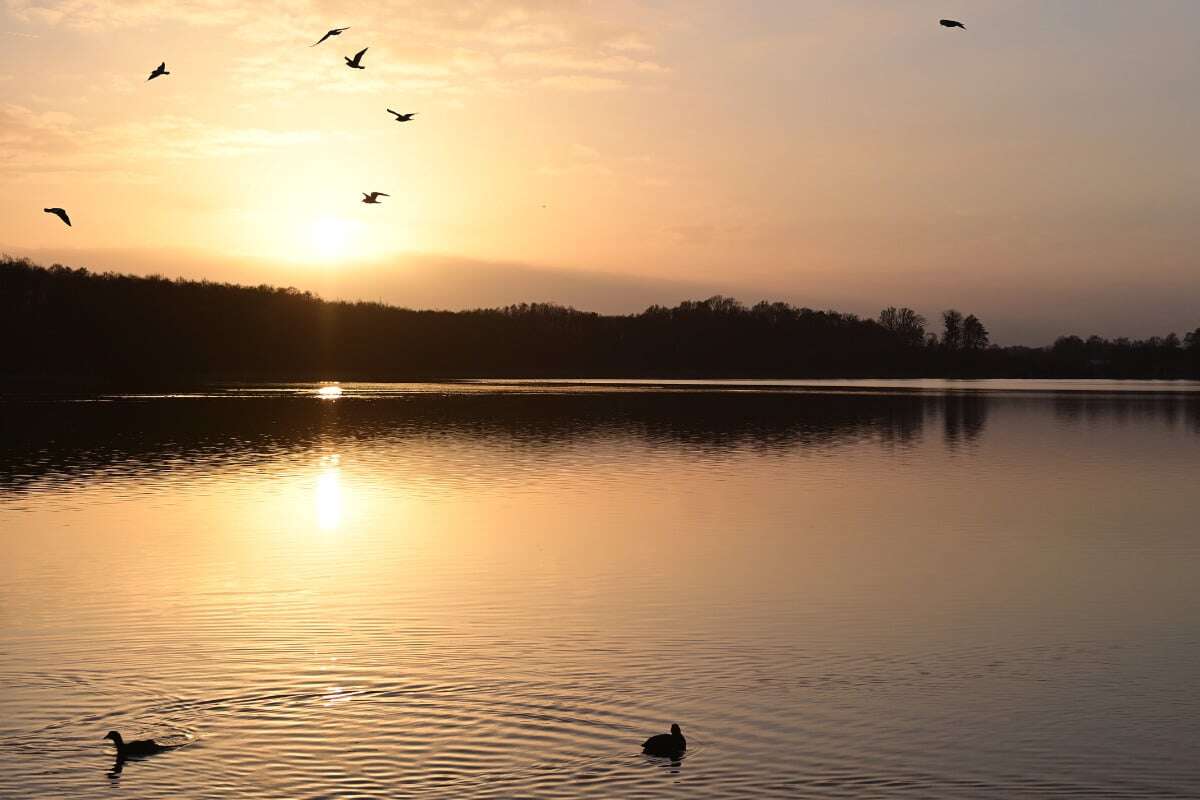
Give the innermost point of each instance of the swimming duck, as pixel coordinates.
(140, 747)
(666, 744)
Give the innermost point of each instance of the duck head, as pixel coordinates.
(675, 730)
(116, 738)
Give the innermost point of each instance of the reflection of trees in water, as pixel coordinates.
(49, 442)
(964, 416)
(1170, 409)
(64, 441)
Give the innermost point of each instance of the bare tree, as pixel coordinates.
(906, 324)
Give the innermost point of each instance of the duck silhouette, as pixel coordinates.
(951, 23)
(373, 197)
(356, 62)
(666, 744)
(136, 748)
(402, 117)
(161, 69)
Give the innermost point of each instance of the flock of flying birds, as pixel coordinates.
(370, 198)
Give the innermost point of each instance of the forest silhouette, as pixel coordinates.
(60, 323)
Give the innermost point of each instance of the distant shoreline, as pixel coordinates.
(66, 327)
(23, 387)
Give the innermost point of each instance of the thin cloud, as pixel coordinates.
(629, 42)
(571, 60)
(99, 15)
(49, 141)
(583, 83)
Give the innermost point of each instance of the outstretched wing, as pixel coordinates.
(381, 194)
(323, 38)
(397, 113)
(359, 54)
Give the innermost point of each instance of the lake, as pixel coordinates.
(837, 589)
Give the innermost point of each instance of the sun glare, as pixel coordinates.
(329, 496)
(329, 392)
(331, 237)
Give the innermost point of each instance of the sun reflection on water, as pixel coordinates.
(329, 495)
(329, 392)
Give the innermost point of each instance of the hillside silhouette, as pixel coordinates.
(63, 323)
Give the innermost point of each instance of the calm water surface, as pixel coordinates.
(478, 590)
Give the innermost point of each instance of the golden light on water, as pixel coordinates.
(329, 498)
(329, 392)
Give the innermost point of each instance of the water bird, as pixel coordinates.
(951, 23)
(403, 117)
(666, 744)
(373, 197)
(60, 213)
(161, 69)
(136, 748)
(353, 63)
(332, 32)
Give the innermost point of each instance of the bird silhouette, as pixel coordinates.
(666, 744)
(60, 213)
(332, 32)
(951, 23)
(403, 117)
(373, 197)
(134, 749)
(161, 69)
(354, 63)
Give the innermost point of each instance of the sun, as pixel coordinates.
(331, 237)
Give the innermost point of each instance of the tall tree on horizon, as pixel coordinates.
(974, 335)
(952, 335)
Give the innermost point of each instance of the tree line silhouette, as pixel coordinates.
(68, 323)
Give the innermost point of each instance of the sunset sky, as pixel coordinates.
(1038, 169)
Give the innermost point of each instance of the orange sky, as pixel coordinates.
(1037, 169)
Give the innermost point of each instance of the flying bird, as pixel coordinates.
(60, 213)
(161, 69)
(373, 197)
(951, 23)
(403, 117)
(332, 32)
(353, 63)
